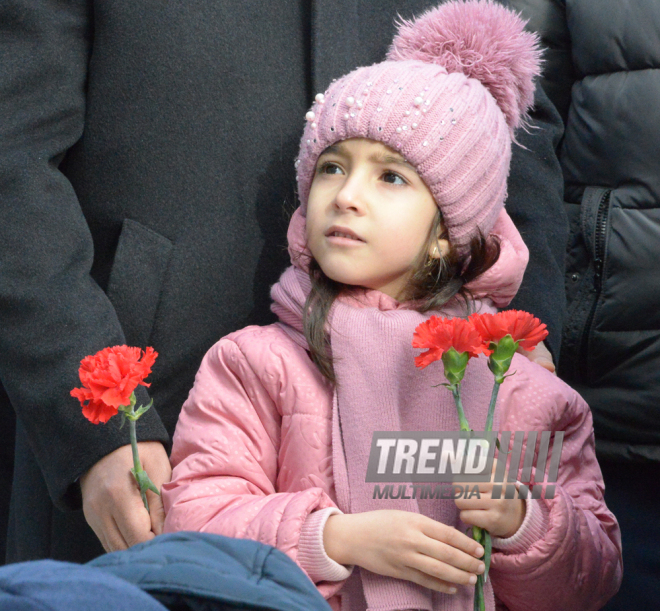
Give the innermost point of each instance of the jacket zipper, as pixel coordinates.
(599, 246)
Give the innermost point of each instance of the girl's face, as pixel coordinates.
(369, 216)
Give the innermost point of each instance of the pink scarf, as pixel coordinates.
(380, 389)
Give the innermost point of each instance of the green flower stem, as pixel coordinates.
(137, 466)
(488, 551)
(491, 408)
(455, 364)
(456, 391)
(479, 535)
(479, 598)
(486, 540)
(140, 475)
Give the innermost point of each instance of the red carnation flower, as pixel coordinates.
(523, 327)
(109, 378)
(440, 334)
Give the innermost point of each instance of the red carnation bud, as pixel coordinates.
(523, 328)
(439, 334)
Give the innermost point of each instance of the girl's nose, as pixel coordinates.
(350, 197)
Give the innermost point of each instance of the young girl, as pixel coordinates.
(402, 179)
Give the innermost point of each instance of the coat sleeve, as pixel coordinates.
(576, 565)
(536, 205)
(52, 313)
(226, 461)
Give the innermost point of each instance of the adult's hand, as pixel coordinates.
(540, 355)
(111, 499)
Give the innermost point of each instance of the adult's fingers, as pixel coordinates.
(131, 518)
(116, 541)
(156, 512)
(99, 531)
(111, 501)
(105, 528)
(157, 464)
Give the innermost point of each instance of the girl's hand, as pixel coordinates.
(500, 517)
(404, 545)
(540, 355)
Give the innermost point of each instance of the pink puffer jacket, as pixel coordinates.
(252, 458)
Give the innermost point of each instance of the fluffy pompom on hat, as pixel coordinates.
(457, 82)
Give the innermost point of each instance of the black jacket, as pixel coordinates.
(604, 76)
(145, 161)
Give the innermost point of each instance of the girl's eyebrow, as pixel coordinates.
(383, 157)
(379, 158)
(332, 149)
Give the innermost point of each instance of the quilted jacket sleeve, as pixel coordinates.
(577, 564)
(227, 459)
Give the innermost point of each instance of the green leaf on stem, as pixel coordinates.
(142, 409)
(144, 482)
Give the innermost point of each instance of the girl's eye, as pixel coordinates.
(329, 168)
(393, 178)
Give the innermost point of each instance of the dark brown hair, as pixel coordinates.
(433, 283)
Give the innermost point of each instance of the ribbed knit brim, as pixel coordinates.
(448, 126)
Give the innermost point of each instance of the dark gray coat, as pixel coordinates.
(145, 161)
(604, 76)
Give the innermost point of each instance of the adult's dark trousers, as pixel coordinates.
(48, 535)
(631, 494)
(7, 434)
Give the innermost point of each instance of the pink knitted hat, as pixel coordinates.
(457, 82)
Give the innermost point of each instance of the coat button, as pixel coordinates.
(575, 277)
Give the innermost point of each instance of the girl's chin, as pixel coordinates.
(345, 277)
(351, 280)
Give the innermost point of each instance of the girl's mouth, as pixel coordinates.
(343, 233)
(338, 234)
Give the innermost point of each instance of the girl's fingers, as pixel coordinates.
(474, 517)
(424, 579)
(451, 556)
(441, 573)
(452, 537)
(485, 502)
